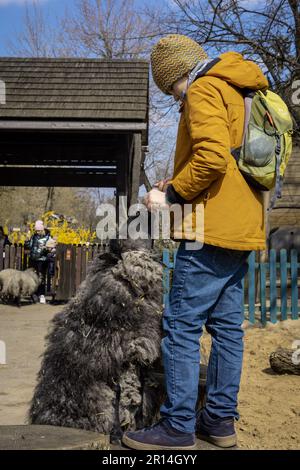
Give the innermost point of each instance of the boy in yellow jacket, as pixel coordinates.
(207, 282)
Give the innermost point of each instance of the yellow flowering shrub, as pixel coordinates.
(64, 233)
(60, 229)
(17, 237)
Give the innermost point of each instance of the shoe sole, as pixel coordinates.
(227, 441)
(142, 446)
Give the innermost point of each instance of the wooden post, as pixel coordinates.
(12, 260)
(283, 283)
(83, 262)
(25, 261)
(294, 281)
(122, 181)
(263, 305)
(78, 266)
(19, 257)
(2, 254)
(273, 289)
(136, 158)
(7, 256)
(73, 271)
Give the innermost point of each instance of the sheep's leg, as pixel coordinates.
(139, 417)
(116, 432)
(34, 298)
(153, 397)
(143, 350)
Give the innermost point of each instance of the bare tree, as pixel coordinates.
(38, 38)
(50, 199)
(265, 31)
(113, 29)
(163, 117)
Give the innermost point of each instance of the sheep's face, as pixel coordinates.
(126, 288)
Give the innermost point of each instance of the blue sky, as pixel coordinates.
(12, 14)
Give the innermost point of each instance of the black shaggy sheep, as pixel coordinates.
(103, 345)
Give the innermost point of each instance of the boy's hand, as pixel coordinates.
(155, 200)
(163, 184)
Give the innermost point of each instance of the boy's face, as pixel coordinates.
(179, 88)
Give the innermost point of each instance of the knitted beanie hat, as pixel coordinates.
(173, 57)
(39, 225)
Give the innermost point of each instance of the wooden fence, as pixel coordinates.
(71, 266)
(13, 257)
(270, 288)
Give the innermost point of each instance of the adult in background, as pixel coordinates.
(38, 257)
(4, 238)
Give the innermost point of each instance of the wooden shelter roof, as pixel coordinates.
(73, 122)
(75, 89)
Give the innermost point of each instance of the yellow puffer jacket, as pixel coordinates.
(205, 172)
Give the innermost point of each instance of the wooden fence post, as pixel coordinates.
(294, 282)
(2, 254)
(7, 256)
(283, 284)
(263, 282)
(273, 288)
(251, 287)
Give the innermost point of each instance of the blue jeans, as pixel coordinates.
(206, 290)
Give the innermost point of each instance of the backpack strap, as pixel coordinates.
(279, 178)
(248, 97)
(201, 69)
(248, 104)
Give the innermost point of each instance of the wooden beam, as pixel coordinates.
(60, 162)
(31, 137)
(130, 152)
(73, 125)
(27, 154)
(56, 177)
(122, 181)
(136, 168)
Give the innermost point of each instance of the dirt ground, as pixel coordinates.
(269, 404)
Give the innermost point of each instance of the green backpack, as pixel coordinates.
(267, 142)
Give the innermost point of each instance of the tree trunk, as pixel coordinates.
(285, 361)
(50, 199)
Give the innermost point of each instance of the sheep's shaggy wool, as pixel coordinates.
(102, 347)
(15, 284)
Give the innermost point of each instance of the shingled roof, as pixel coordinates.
(75, 89)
